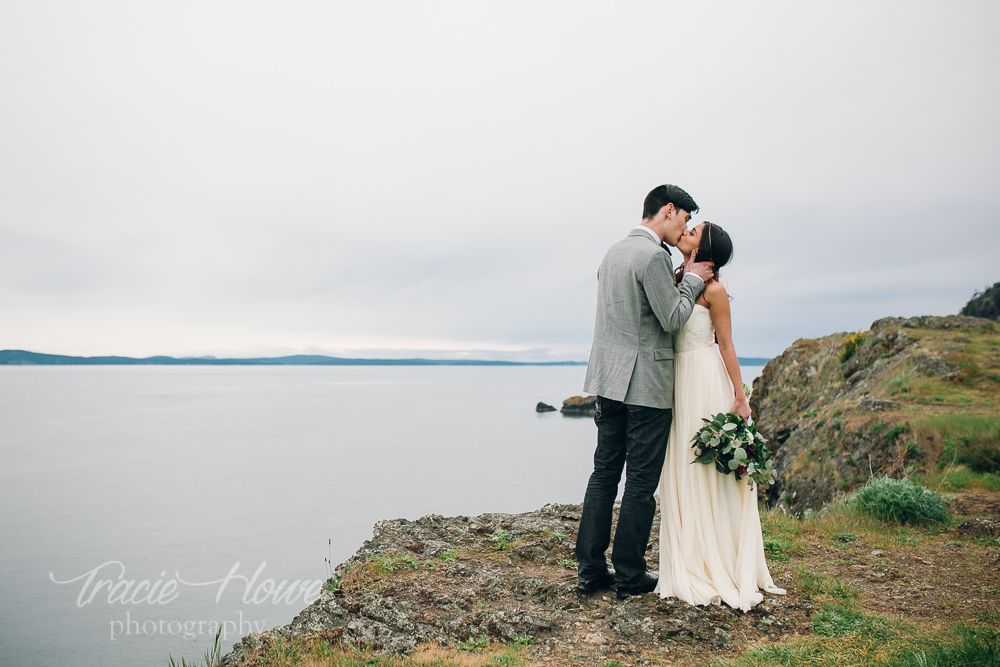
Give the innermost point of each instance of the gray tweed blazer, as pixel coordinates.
(638, 312)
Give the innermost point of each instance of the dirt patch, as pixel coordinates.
(973, 503)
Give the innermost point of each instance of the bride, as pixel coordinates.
(711, 547)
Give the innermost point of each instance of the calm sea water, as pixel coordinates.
(208, 496)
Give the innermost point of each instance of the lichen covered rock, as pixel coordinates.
(503, 578)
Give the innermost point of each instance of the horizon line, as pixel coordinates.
(27, 358)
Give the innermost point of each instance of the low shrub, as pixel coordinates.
(899, 501)
(852, 344)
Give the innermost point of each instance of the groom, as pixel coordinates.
(631, 370)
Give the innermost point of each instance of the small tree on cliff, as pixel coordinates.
(985, 304)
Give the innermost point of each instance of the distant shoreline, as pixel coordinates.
(25, 358)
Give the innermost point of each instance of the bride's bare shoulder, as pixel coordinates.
(715, 292)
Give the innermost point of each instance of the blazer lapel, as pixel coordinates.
(648, 237)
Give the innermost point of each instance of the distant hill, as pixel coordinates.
(24, 358)
(984, 304)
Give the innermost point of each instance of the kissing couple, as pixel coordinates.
(656, 370)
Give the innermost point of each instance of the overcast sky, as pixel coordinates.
(402, 178)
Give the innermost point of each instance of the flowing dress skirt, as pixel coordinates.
(711, 546)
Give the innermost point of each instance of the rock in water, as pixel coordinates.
(580, 406)
(544, 407)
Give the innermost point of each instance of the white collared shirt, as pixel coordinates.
(660, 241)
(650, 232)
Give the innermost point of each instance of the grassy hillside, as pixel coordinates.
(909, 397)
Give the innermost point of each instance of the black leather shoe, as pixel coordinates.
(646, 584)
(599, 584)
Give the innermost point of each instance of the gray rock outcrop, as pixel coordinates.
(505, 578)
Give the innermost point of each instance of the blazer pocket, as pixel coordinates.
(663, 354)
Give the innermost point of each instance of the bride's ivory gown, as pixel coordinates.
(711, 547)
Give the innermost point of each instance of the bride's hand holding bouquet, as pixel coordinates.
(734, 447)
(741, 406)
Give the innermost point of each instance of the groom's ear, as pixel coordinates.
(669, 210)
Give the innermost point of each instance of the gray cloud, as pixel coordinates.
(224, 178)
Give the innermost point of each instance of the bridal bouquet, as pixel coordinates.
(735, 447)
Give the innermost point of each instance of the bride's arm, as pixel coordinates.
(718, 309)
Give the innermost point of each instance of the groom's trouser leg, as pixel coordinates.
(594, 535)
(646, 443)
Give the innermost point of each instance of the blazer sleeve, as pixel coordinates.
(671, 304)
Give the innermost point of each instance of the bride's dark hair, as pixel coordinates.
(715, 246)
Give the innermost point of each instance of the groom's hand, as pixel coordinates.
(704, 270)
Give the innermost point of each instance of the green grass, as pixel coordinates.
(392, 562)
(900, 501)
(972, 646)
(896, 431)
(548, 532)
(972, 440)
(777, 548)
(959, 478)
(783, 530)
(474, 644)
(838, 620)
(865, 646)
(477, 652)
(502, 540)
(822, 587)
(898, 385)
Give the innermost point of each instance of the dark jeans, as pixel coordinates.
(632, 437)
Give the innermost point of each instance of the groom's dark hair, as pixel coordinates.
(662, 195)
